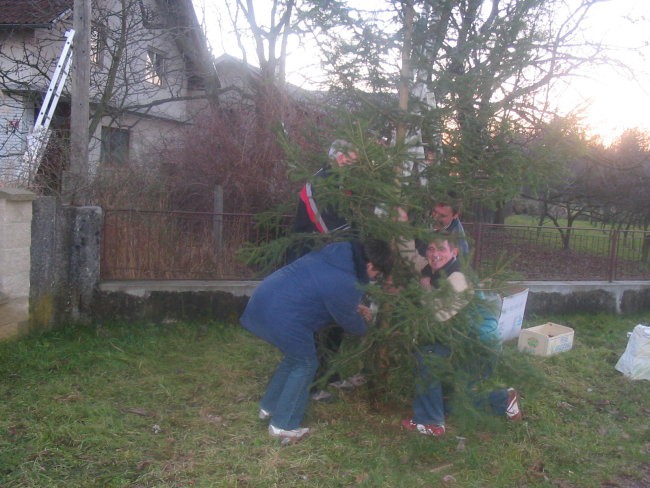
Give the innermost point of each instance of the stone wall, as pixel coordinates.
(15, 242)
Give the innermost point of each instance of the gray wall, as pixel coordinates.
(65, 254)
(225, 300)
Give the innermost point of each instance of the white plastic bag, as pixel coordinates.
(635, 361)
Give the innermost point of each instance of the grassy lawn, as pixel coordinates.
(142, 405)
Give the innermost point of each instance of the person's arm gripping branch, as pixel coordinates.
(444, 310)
(407, 248)
(345, 308)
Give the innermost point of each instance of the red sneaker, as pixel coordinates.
(431, 429)
(513, 412)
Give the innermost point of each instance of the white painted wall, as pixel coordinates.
(15, 243)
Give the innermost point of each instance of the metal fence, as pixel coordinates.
(550, 253)
(156, 245)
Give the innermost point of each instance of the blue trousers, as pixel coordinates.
(287, 393)
(429, 406)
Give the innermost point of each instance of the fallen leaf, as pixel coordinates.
(361, 478)
(565, 406)
(448, 479)
(210, 418)
(143, 464)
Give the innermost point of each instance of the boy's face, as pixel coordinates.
(345, 159)
(440, 253)
(443, 215)
(373, 272)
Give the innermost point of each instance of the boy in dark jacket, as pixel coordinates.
(298, 300)
(440, 263)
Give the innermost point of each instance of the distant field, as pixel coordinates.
(539, 252)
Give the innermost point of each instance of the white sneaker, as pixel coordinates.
(322, 396)
(342, 385)
(513, 410)
(293, 434)
(357, 380)
(264, 414)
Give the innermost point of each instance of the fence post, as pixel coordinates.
(217, 223)
(477, 246)
(613, 247)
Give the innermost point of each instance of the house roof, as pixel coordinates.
(26, 13)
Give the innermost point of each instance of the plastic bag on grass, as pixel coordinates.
(635, 361)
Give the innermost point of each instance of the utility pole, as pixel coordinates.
(76, 176)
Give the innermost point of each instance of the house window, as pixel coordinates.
(97, 45)
(194, 80)
(151, 15)
(155, 67)
(115, 146)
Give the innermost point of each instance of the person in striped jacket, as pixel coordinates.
(314, 217)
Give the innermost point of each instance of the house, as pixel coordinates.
(151, 74)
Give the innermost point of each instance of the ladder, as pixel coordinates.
(40, 135)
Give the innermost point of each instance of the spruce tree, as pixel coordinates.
(368, 194)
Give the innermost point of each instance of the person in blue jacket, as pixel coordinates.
(293, 303)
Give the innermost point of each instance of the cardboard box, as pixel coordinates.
(510, 306)
(513, 307)
(546, 339)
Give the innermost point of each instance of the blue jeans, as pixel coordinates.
(287, 393)
(429, 405)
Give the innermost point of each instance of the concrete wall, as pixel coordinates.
(587, 296)
(225, 300)
(15, 241)
(65, 257)
(159, 301)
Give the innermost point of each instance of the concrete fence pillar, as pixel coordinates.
(65, 262)
(15, 244)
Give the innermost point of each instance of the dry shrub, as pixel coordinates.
(128, 186)
(238, 149)
(225, 148)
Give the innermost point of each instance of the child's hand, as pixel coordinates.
(402, 216)
(389, 287)
(425, 281)
(365, 312)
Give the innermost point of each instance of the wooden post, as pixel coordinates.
(76, 175)
(217, 223)
(613, 250)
